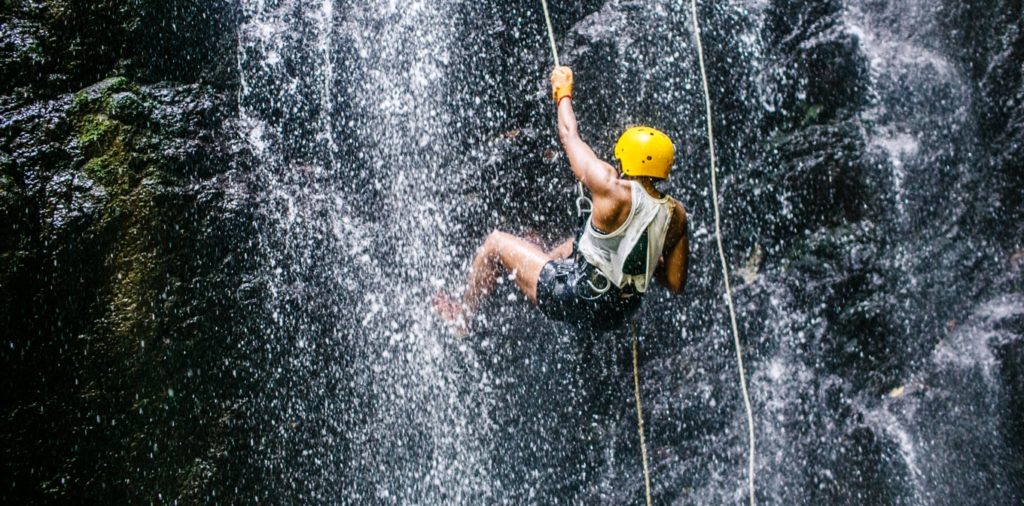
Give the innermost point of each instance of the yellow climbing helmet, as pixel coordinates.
(644, 151)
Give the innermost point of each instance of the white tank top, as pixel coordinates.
(629, 255)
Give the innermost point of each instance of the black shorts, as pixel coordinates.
(563, 294)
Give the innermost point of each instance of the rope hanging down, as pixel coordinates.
(580, 200)
(721, 256)
(551, 32)
(640, 417)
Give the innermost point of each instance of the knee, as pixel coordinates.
(494, 240)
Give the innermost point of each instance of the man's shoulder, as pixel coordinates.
(679, 216)
(622, 191)
(677, 206)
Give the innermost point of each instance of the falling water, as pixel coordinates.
(391, 136)
(348, 113)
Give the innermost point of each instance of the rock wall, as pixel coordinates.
(127, 255)
(119, 258)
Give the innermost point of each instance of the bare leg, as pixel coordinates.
(533, 237)
(500, 253)
(507, 251)
(563, 250)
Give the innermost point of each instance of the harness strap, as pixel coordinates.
(584, 208)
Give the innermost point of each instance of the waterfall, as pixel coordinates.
(391, 136)
(345, 106)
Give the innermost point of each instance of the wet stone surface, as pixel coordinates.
(219, 222)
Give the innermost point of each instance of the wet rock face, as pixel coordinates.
(62, 45)
(987, 40)
(1004, 90)
(822, 61)
(1011, 358)
(823, 171)
(104, 244)
(115, 221)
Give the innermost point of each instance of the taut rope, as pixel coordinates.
(721, 256)
(640, 417)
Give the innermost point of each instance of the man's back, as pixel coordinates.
(613, 206)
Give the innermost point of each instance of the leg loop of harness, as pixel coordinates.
(589, 284)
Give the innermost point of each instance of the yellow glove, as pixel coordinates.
(561, 83)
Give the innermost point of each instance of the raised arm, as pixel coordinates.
(594, 173)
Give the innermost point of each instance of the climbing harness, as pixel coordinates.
(721, 256)
(596, 285)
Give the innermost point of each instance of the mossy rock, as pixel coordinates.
(109, 172)
(98, 97)
(127, 107)
(116, 135)
(99, 233)
(97, 132)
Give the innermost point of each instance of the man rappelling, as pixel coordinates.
(633, 233)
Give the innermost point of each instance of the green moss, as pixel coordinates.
(811, 115)
(127, 107)
(81, 100)
(118, 84)
(116, 158)
(109, 171)
(101, 98)
(95, 131)
(112, 134)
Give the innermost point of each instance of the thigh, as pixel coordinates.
(563, 250)
(524, 258)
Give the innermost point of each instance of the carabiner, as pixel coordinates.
(584, 206)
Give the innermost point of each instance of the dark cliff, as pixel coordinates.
(119, 257)
(873, 174)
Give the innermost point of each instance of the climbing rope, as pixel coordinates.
(551, 32)
(583, 207)
(582, 202)
(640, 417)
(721, 256)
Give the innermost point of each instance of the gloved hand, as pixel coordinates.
(561, 83)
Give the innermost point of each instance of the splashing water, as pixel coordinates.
(355, 226)
(391, 136)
